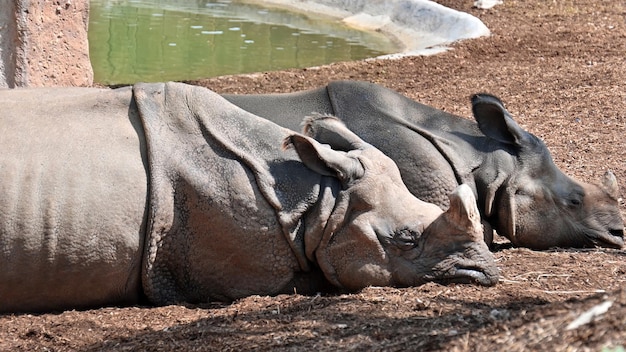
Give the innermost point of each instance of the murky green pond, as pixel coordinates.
(161, 40)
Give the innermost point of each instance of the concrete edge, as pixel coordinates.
(420, 27)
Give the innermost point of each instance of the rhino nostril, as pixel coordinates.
(617, 233)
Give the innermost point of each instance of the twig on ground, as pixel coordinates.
(573, 292)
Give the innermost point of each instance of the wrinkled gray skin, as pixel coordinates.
(169, 191)
(520, 191)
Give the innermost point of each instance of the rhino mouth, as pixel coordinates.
(470, 275)
(609, 239)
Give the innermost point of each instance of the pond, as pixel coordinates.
(161, 40)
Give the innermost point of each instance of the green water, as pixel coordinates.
(161, 40)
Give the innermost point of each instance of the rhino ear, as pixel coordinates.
(495, 121)
(324, 160)
(330, 130)
(463, 210)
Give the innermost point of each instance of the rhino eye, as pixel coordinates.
(575, 201)
(521, 192)
(405, 239)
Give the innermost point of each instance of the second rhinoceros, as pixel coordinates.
(520, 191)
(169, 191)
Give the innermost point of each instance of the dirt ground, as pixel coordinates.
(561, 68)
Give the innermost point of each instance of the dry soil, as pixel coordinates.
(560, 68)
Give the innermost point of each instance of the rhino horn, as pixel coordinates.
(463, 210)
(609, 183)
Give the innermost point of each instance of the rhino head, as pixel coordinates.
(533, 203)
(450, 249)
(378, 232)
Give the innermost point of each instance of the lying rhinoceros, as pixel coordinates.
(521, 192)
(169, 191)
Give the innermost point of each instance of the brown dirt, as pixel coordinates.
(560, 66)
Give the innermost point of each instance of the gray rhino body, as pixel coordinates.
(520, 191)
(170, 192)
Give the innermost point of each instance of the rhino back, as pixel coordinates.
(287, 110)
(418, 138)
(434, 150)
(73, 194)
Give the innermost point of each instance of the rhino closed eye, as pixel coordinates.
(575, 202)
(521, 192)
(405, 239)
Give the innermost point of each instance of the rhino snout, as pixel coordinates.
(615, 238)
(485, 274)
(617, 233)
(482, 271)
(474, 275)
(610, 236)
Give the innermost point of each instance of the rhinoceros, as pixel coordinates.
(167, 192)
(520, 191)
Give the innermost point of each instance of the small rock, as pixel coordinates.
(486, 4)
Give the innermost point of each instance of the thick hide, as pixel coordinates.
(520, 191)
(432, 166)
(226, 202)
(171, 191)
(73, 189)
